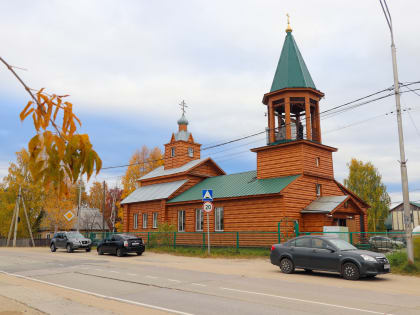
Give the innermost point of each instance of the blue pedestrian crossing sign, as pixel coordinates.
(207, 194)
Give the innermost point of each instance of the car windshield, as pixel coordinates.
(74, 235)
(341, 244)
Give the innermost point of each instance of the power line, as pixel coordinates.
(330, 112)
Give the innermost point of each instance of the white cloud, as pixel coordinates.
(140, 59)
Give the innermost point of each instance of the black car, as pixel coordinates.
(121, 244)
(328, 254)
(70, 241)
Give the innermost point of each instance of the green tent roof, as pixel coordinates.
(291, 70)
(236, 185)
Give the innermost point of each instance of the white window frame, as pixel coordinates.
(135, 221)
(144, 220)
(172, 151)
(318, 161)
(318, 190)
(199, 220)
(191, 152)
(181, 220)
(219, 222)
(155, 220)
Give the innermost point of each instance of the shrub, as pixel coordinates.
(164, 236)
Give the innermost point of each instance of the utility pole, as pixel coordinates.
(403, 161)
(78, 205)
(103, 209)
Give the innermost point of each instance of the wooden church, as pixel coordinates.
(293, 180)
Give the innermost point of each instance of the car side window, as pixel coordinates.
(303, 242)
(318, 243)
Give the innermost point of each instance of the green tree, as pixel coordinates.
(365, 180)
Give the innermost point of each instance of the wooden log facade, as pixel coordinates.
(293, 180)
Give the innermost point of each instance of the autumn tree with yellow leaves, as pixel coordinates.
(32, 195)
(141, 162)
(58, 155)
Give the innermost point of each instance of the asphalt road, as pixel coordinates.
(85, 283)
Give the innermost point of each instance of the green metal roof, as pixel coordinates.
(291, 70)
(236, 185)
(415, 204)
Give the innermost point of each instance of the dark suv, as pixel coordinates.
(70, 241)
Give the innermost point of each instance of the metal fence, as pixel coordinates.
(26, 242)
(375, 241)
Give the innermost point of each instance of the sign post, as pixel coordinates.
(207, 195)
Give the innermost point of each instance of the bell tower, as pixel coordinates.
(294, 128)
(181, 149)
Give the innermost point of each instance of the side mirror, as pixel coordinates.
(332, 250)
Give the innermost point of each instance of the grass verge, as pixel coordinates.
(399, 263)
(214, 253)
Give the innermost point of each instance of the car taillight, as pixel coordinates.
(126, 243)
(272, 247)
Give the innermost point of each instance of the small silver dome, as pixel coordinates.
(183, 120)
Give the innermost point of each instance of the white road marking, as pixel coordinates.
(305, 301)
(98, 269)
(131, 274)
(114, 271)
(98, 295)
(199, 284)
(61, 265)
(173, 280)
(151, 277)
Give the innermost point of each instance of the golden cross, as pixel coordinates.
(288, 18)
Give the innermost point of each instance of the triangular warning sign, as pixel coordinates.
(207, 195)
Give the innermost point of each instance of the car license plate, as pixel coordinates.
(387, 266)
(134, 244)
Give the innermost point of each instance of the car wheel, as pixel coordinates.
(120, 252)
(139, 253)
(350, 271)
(100, 251)
(88, 249)
(286, 265)
(53, 248)
(68, 248)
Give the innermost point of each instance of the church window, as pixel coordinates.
(199, 219)
(155, 220)
(135, 221)
(172, 152)
(218, 218)
(181, 221)
(144, 220)
(190, 152)
(318, 189)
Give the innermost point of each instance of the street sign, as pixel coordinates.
(207, 194)
(69, 215)
(207, 206)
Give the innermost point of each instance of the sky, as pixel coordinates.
(128, 64)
